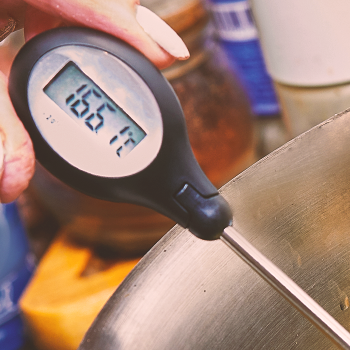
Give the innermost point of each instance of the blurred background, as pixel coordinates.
(260, 73)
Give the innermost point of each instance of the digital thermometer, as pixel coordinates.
(105, 121)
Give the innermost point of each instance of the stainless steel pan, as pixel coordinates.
(294, 206)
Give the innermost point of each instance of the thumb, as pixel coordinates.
(17, 158)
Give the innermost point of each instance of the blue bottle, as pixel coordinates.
(238, 36)
(16, 267)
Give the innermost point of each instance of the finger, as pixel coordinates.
(14, 9)
(117, 17)
(17, 158)
(37, 22)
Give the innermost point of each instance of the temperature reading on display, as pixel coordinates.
(79, 97)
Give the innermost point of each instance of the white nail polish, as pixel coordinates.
(161, 33)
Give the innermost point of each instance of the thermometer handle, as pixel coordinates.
(172, 184)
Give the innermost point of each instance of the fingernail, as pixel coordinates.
(161, 33)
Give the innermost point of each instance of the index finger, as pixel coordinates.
(116, 17)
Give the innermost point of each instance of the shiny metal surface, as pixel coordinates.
(287, 288)
(293, 206)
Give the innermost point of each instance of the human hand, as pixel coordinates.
(122, 18)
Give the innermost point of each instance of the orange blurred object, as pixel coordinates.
(68, 290)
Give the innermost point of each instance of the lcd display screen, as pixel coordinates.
(82, 100)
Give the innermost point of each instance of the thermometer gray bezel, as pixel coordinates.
(122, 85)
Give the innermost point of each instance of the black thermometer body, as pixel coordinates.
(105, 121)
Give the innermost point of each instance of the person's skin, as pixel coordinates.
(117, 17)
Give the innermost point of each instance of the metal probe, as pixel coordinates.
(287, 288)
